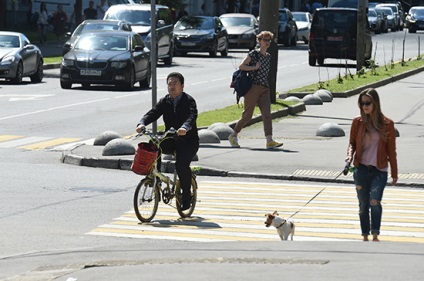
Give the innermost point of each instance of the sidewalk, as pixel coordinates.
(304, 156)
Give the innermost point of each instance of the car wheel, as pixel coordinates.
(312, 61)
(320, 61)
(19, 74)
(168, 60)
(130, 84)
(65, 85)
(38, 76)
(214, 50)
(224, 52)
(146, 82)
(293, 42)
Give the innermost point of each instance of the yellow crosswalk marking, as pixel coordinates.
(9, 137)
(232, 211)
(48, 143)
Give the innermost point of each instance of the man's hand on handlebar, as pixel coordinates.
(181, 132)
(140, 128)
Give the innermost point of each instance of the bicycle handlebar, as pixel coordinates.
(156, 138)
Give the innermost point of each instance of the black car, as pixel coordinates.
(287, 29)
(19, 58)
(416, 20)
(107, 57)
(200, 34)
(93, 25)
(139, 16)
(333, 35)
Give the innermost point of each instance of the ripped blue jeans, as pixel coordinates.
(370, 183)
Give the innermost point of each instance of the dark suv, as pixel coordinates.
(138, 15)
(287, 28)
(333, 35)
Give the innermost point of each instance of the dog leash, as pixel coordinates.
(310, 200)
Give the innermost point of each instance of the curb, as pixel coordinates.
(372, 85)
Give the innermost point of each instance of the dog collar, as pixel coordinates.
(281, 224)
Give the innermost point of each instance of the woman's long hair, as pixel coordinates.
(376, 117)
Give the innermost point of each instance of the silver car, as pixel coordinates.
(242, 30)
(303, 23)
(19, 58)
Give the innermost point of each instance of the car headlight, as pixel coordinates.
(247, 35)
(68, 62)
(209, 36)
(8, 59)
(118, 64)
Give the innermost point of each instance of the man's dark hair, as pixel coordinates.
(177, 75)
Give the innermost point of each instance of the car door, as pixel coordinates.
(164, 31)
(29, 57)
(140, 58)
(221, 34)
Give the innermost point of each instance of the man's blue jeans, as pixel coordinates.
(370, 183)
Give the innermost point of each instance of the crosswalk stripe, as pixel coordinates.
(234, 211)
(9, 137)
(48, 143)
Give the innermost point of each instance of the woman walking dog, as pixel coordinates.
(372, 146)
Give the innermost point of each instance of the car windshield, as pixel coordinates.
(282, 17)
(194, 23)
(388, 11)
(419, 13)
(131, 16)
(372, 13)
(9, 41)
(105, 43)
(236, 21)
(94, 26)
(300, 17)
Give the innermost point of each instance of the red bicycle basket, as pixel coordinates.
(144, 158)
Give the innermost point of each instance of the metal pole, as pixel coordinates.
(153, 59)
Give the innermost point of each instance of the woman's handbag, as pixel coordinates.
(144, 158)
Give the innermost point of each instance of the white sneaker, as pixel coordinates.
(233, 141)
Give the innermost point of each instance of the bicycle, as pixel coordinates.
(156, 185)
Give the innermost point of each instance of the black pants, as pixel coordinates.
(184, 150)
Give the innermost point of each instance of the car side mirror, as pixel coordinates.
(67, 45)
(161, 23)
(138, 48)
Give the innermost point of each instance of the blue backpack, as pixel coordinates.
(241, 83)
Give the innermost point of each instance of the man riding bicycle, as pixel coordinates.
(179, 111)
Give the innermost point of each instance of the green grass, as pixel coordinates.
(345, 82)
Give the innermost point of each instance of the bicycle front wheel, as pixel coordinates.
(193, 190)
(146, 200)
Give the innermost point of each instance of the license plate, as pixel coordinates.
(90, 72)
(335, 38)
(188, 44)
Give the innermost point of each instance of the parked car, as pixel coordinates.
(384, 21)
(19, 58)
(398, 19)
(138, 15)
(107, 57)
(303, 23)
(333, 35)
(416, 21)
(241, 28)
(200, 34)
(391, 22)
(375, 21)
(409, 16)
(89, 26)
(287, 29)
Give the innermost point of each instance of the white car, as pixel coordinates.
(303, 23)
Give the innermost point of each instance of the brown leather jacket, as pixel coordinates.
(386, 150)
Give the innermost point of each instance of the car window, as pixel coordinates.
(339, 20)
(194, 23)
(137, 41)
(419, 13)
(9, 41)
(165, 15)
(282, 16)
(237, 21)
(110, 43)
(300, 17)
(131, 16)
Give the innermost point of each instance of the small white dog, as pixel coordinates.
(285, 227)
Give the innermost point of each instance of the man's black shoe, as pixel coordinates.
(185, 205)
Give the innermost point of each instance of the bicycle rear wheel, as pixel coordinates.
(193, 190)
(146, 200)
